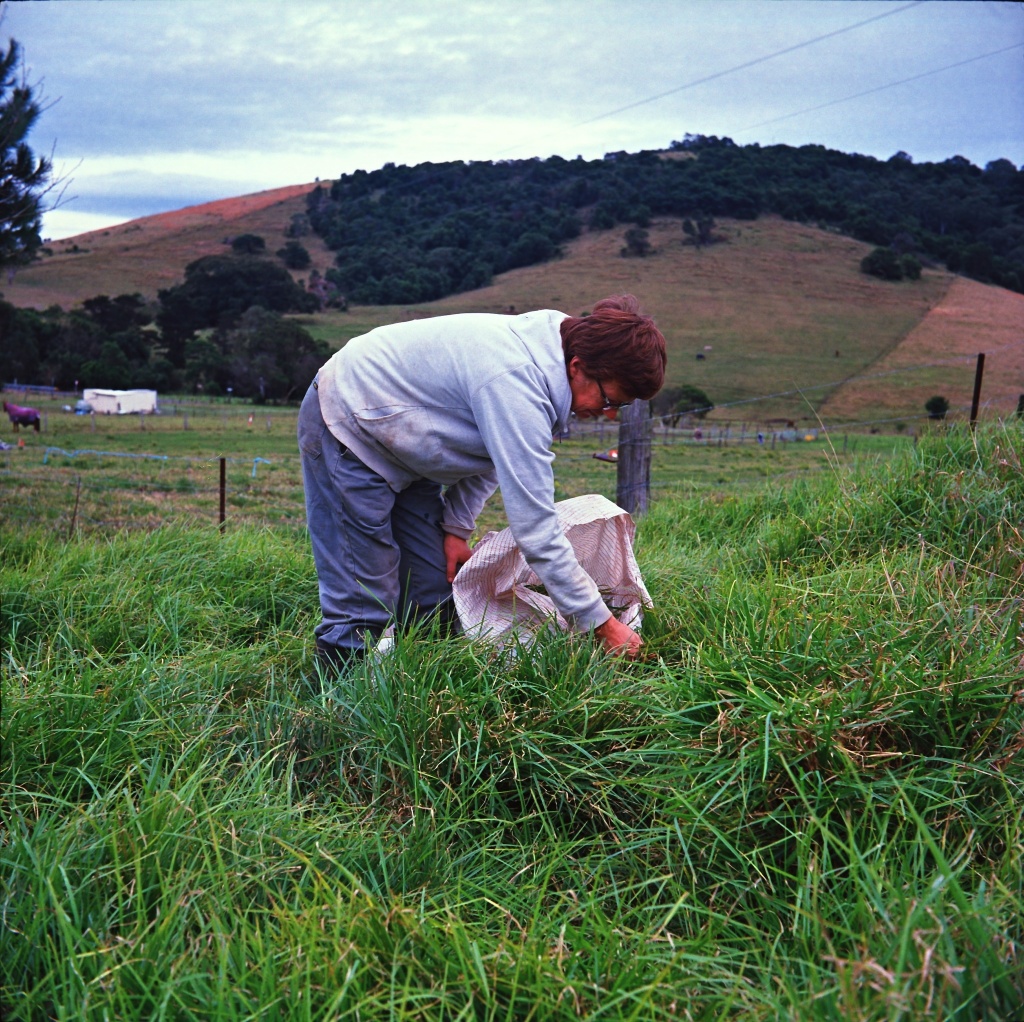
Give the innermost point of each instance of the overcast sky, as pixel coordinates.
(160, 104)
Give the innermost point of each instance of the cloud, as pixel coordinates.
(255, 95)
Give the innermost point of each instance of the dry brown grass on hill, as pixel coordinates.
(151, 253)
(972, 318)
(783, 307)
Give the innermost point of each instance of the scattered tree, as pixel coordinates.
(110, 369)
(270, 358)
(693, 401)
(326, 292)
(298, 227)
(883, 263)
(911, 266)
(24, 179)
(205, 366)
(294, 256)
(700, 233)
(217, 290)
(673, 403)
(637, 243)
(248, 244)
(116, 315)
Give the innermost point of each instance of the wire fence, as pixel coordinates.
(97, 473)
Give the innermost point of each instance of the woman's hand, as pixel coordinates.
(619, 639)
(456, 552)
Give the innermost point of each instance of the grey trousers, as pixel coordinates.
(379, 554)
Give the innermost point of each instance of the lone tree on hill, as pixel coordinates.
(673, 403)
(24, 179)
(637, 243)
(936, 407)
(883, 263)
(294, 256)
(248, 244)
(700, 233)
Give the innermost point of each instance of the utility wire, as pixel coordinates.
(748, 64)
(879, 88)
(730, 70)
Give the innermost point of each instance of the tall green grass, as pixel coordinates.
(805, 801)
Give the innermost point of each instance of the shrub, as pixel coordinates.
(637, 243)
(936, 407)
(675, 402)
(248, 244)
(294, 256)
(883, 263)
(911, 266)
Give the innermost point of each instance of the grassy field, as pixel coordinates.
(99, 474)
(804, 802)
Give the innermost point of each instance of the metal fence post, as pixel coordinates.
(223, 472)
(978, 372)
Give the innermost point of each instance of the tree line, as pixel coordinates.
(409, 234)
(223, 329)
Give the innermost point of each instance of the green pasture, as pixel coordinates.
(805, 801)
(106, 472)
(780, 315)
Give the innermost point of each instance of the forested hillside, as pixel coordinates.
(412, 234)
(202, 305)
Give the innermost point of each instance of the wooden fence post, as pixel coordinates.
(633, 488)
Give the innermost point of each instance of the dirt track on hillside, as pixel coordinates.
(939, 356)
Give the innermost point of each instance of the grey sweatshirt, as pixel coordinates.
(469, 401)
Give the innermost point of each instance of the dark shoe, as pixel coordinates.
(333, 660)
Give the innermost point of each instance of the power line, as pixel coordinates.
(730, 70)
(747, 64)
(879, 88)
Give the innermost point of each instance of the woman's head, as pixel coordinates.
(617, 342)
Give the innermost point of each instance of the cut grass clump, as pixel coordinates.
(804, 801)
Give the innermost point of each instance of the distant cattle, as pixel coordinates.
(22, 416)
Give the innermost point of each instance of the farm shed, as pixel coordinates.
(120, 402)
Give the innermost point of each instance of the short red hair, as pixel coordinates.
(617, 342)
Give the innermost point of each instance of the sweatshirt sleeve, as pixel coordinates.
(464, 500)
(516, 423)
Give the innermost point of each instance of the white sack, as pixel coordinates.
(493, 594)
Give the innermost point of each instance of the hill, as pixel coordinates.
(151, 253)
(777, 307)
(417, 233)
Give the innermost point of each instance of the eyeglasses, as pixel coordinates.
(609, 405)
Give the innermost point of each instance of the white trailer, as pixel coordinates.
(120, 402)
